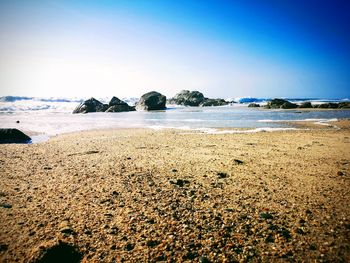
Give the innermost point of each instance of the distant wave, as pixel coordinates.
(45, 99)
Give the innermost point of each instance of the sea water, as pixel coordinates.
(49, 117)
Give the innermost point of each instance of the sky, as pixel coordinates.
(125, 48)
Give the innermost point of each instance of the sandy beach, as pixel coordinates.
(139, 195)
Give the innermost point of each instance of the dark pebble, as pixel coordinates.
(113, 247)
(204, 260)
(129, 246)
(270, 239)
(174, 170)
(152, 243)
(266, 216)
(6, 205)
(222, 175)
(340, 173)
(236, 161)
(313, 246)
(3, 247)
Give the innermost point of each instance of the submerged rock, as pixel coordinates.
(91, 105)
(13, 136)
(151, 101)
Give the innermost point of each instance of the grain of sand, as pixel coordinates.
(146, 196)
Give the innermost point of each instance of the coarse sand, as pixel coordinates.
(138, 195)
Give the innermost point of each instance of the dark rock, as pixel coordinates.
(152, 243)
(313, 246)
(117, 105)
(151, 101)
(62, 252)
(266, 216)
(344, 105)
(13, 136)
(236, 161)
(280, 104)
(91, 105)
(340, 173)
(270, 239)
(188, 98)
(17, 121)
(204, 260)
(3, 247)
(6, 205)
(129, 246)
(305, 105)
(222, 175)
(253, 105)
(213, 102)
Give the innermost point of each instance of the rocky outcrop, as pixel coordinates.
(117, 105)
(151, 101)
(305, 105)
(213, 102)
(91, 105)
(253, 105)
(195, 98)
(188, 98)
(280, 104)
(13, 136)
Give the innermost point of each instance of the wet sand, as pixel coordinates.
(146, 196)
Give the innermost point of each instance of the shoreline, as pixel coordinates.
(144, 195)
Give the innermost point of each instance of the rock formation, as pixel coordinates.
(151, 101)
(13, 136)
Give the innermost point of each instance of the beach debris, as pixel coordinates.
(13, 136)
(237, 161)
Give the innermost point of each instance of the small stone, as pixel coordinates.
(236, 161)
(340, 173)
(3, 247)
(266, 216)
(65, 228)
(174, 170)
(129, 246)
(113, 247)
(222, 175)
(204, 260)
(152, 243)
(270, 239)
(313, 246)
(17, 121)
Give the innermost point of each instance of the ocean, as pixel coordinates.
(46, 117)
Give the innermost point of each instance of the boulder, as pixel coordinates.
(91, 105)
(151, 101)
(117, 105)
(188, 98)
(13, 136)
(280, 104)
(253, 105)
(213, 102)
(305, 105)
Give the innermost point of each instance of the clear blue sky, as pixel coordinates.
(225, 49)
